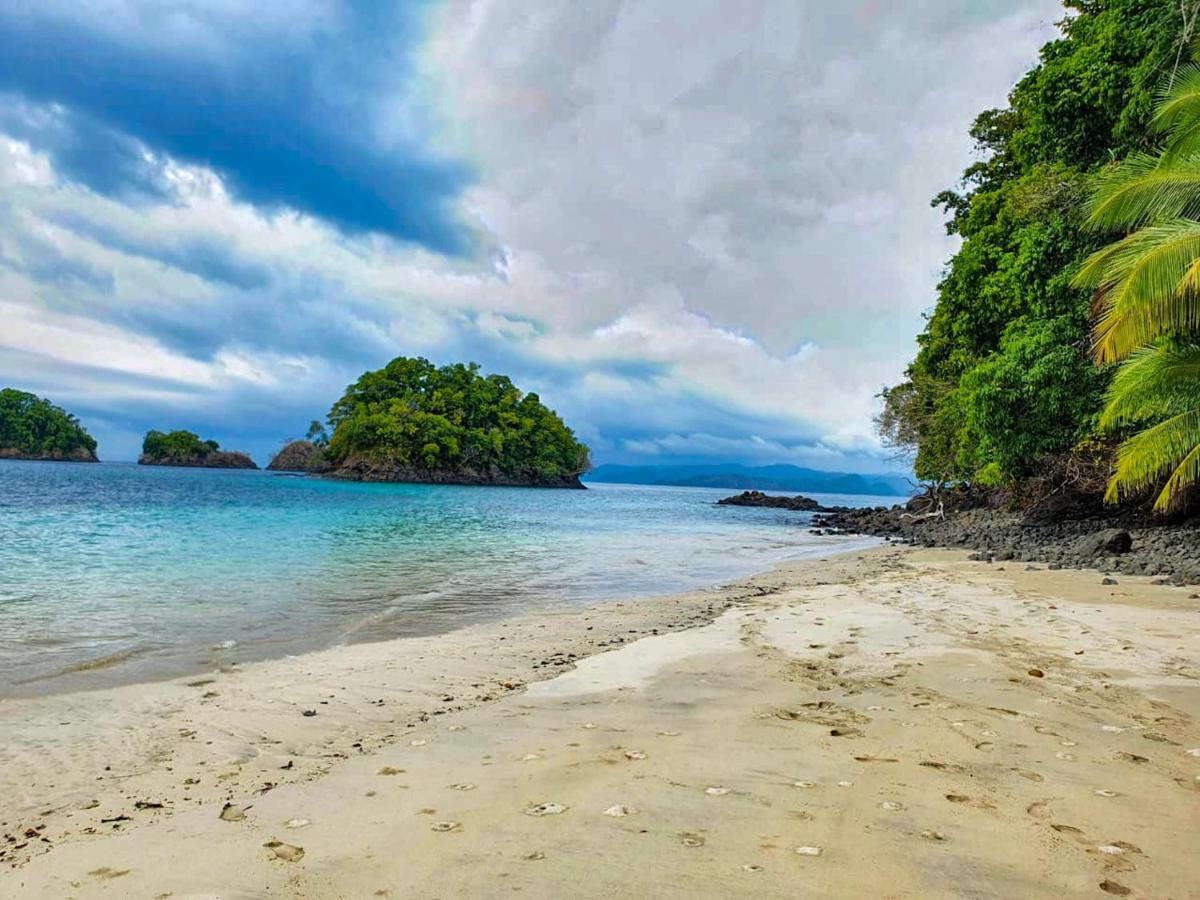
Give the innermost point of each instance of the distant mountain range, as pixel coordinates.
(762, 478)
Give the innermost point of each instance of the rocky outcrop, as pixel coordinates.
(299, 456)
(358, 468)
(80, 454)
(1126, 543)
(217, 459)
(758, 498)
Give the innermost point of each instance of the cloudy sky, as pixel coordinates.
(700, 230)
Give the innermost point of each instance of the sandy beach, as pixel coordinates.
(889, 723)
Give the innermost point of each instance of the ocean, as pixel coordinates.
(115, 573)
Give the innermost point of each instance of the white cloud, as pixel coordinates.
(700, 216)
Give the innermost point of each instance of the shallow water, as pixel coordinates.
(116, 573)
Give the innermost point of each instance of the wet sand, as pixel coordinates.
(895, 723)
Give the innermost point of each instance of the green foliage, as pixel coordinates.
(1001, 377)
(1148, 290)
(412, 414)
(177, 445)
(1037, 395)
(317, 434)
(32, 426)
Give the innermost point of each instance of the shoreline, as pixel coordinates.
(894, 629)
(186, 663)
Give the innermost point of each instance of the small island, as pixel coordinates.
(413, 421)
(771, 501)
(299, 456)
(34, 428)
(185, 448)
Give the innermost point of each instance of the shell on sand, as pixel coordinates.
(809, 851)
(716, 790)
(297, 823)
(634, 754)
(618, 811)
(546, 809)
(445, 826)
(462, 786)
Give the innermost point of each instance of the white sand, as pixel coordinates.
(865, 727)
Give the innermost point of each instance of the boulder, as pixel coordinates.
(1110, 541)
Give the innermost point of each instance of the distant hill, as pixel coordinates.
(762, 478)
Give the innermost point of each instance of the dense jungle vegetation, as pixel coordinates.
(1013, 373)
(36, 428)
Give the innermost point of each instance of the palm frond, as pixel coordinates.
(1170, 446)
(1146, 287)
(1179, 103)
(1145, 189)
(1157, 381)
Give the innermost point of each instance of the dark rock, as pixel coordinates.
(1109, 581)
(218, 459)
(758, 498)
(1110, 541)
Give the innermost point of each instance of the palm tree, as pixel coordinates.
(1147, 288)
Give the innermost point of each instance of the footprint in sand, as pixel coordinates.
(1114, 888)
(691, 839)
(462, 786)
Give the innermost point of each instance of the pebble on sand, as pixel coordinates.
(618, 811)
(634, 754)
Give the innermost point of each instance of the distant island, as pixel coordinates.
(34, 428)
(413, 421)
(185, 448)
(761, 478)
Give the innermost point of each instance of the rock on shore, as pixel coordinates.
(1128, 545)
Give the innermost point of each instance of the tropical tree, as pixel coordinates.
(1147, 298)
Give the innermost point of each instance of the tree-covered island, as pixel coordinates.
(34, 428)
(185, 448)
(414, 421)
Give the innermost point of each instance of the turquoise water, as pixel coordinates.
(117, 573)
